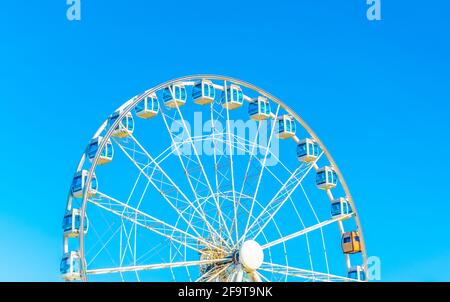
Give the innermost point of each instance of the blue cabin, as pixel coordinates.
(79, 182)
(70, 267)
(286, 127)
(233, 97)
(259, 109)
(326, 178)
(148, 107)
(308, 150)
(175, 96)
(125, 127)
(71, 223)
(203, 92)
(340, 207)
(357, 273)
(106, 156)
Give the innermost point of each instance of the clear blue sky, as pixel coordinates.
(377, 93)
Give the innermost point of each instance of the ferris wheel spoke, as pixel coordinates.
(283, 194)
(246, 175)
(229, 143)
(246, 211)
(103, 239)
(261, 173)
(213, 130)
(206, 179)
(189, 177)
(321, 230)
(264, 236)
(135, 226)
(206, 275)
(104, 247)
(156, 249)
(307, 230)
(147, 221)
(245, 145)
(129, 234)
(276, 203)
(184, 255)
(308, 247)
(216, 168)
(147, 267)
(175, 251)
(302, 273)
(123, 250)
(164, 155)
(242, 147)
(166, 186)
(162, 232)
(228, 131)
(178, 252)
(216, 273)
(262, 277)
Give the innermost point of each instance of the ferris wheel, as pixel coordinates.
(209, 178)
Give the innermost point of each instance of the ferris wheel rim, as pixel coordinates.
(128, 106)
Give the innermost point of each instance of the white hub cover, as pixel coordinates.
(251, 255)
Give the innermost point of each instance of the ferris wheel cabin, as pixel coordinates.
(125, 127)
(286, 127)
(233, 97)
(351, 243)
(71, 223)
(70, 267)
(308, 150)
(357, 273)
(259, 109)
(79, 183)
(203, 92)
(175, 96)
(148, 107)
(340, 207)
(326, 178)
(106, 156)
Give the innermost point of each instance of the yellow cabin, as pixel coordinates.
(351, 243)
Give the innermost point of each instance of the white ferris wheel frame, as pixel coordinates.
(128, 106)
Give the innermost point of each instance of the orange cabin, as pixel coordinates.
(351, 243)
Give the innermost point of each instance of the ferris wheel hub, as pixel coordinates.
(251, 255)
